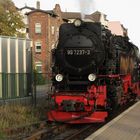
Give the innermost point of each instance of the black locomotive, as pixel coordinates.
(90, 49)
(88, 60)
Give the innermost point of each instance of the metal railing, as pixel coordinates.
(17, 86)
(42, 85)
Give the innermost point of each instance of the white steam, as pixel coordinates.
(86, 6)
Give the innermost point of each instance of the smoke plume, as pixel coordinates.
(86, 6)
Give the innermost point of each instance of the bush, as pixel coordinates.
(40, 80)
(12, 116)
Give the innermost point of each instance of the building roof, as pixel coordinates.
(50, 12)
(71, 15)
(96, 16)
(27, 7)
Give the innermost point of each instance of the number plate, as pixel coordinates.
(78, 52)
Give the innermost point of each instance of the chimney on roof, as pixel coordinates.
(38, 4)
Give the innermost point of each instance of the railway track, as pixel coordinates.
(70, 132)
(47, 133)
(82, 132)
(76, 133)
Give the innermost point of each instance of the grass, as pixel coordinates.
(13, 116)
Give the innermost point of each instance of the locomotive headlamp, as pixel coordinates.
(77, 22)
(91, 77)
(59, 77)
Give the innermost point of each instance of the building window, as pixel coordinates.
(25, 19)
(27, 30)
(38, 67)
(57, 33)
(57, 29)
(53, 46)
(38, 28)
(52, 30)
(38, 47)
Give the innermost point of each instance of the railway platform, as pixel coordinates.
(126, 126)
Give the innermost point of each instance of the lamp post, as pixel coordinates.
(33, 77)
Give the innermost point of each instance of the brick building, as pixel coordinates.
(43, 30)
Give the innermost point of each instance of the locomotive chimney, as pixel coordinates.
(38, 5)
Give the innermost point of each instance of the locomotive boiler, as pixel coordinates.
(93, 72)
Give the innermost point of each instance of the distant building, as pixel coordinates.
(117, 28)
(23, 12)
(94, 17)
(98, 17)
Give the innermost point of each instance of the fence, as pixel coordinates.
(15, 85)
(42, 85)
(42, 81)
(15, 68)
(24, 87)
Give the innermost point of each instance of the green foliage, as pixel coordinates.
(2, 136)
(14, 117)
(11, 22)
(40, 80)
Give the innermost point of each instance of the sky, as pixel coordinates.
(125, 11)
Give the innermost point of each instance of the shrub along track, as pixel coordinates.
(16, 133)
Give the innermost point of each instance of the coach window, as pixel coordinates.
(38, 67)
(38, 47)
(38, 28)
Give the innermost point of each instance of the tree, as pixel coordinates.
(11, 22)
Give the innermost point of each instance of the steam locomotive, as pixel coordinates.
(93, 72)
